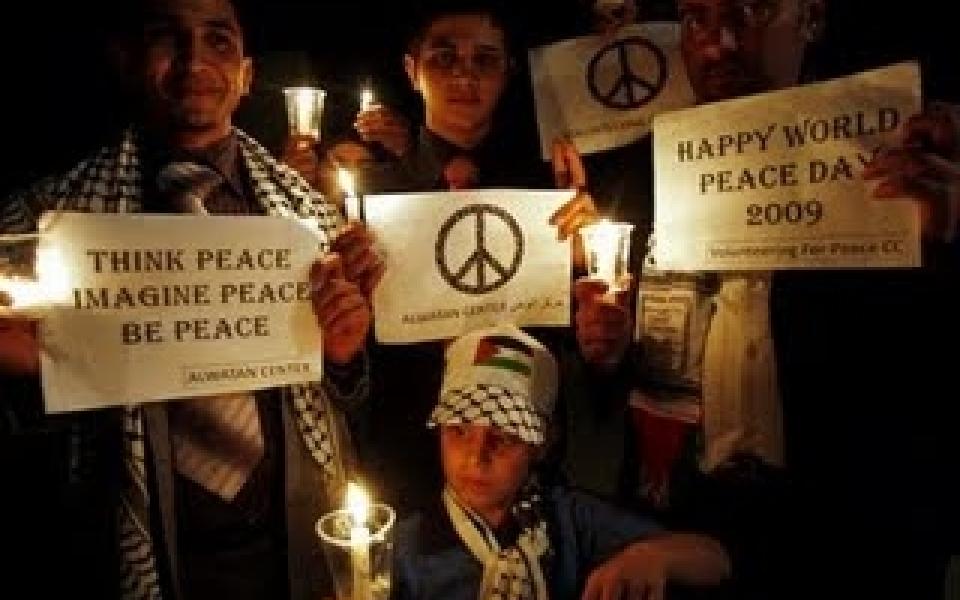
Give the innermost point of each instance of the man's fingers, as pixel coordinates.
(338, 313)
(587, 289)
(931, 131)
(581, 204)
(576, 222)
(19, 347)
(568, 169)
(897, 161)
(352, 235)
(328, 268)
(906, 187)
(372, 280)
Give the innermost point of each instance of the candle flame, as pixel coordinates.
(52, 283)
(366, 99)
(21, 292)
(347, 183)
(358, 504)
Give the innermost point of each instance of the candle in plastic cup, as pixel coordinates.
(358, 545)
(607, 247)
(305, 110)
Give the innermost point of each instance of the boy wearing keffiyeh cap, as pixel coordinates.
(495, 533)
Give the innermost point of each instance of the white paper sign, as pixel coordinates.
(457, 261)
(603, 92)
(774, 181)
(154, 307)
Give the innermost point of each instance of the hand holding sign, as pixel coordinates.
(381, 124)
(569, 173)
(603, 322)
(919, 168)
(299, 152)
(341, 309)
(361, 263)
(19, 347)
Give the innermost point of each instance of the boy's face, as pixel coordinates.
(460, 69)
(484, 466)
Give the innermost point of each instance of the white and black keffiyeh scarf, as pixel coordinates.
(111, 181)
(514, 572)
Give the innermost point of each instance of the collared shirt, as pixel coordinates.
(232, 197)
(233, 549)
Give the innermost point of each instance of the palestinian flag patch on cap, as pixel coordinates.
(501, 352)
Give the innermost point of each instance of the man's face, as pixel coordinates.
(484, 466)
(194, 70)
(460, 69)
(734, 48)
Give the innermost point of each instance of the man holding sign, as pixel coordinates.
(841, 349)
(213, 496)
(459, 59)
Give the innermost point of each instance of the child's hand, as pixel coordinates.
(638, 572)
(642, 569)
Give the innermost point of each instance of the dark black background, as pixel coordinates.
(56, 79)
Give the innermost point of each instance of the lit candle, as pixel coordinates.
(28, 296)
(349, 186)
(607, 246)
(304, 107)
(358, 505)
(366, 99)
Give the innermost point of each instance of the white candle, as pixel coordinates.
(608, 251)
(366, 99)
(349, 187)
(358, 505)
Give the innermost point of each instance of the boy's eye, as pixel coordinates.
(488, 62)
(442, 58)
(221, 42)
(504, 441)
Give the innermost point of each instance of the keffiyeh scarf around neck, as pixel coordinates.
(514, 572)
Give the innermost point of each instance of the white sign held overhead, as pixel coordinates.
(603, 92)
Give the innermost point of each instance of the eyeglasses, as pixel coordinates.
(483, 63)
(740, 15)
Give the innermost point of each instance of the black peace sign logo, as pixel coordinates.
(627, 73)
(483, 270)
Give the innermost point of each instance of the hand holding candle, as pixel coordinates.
(607, 247)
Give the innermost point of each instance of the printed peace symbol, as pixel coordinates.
(641, 73)
(482, 271)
